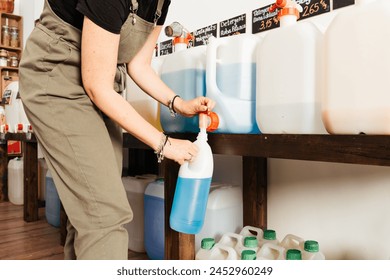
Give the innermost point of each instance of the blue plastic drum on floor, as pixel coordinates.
(154, 232)
(52, 202)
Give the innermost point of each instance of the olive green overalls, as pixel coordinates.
(83, 147)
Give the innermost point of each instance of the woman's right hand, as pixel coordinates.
(180, 150)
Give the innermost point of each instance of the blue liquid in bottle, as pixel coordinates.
(189, 204)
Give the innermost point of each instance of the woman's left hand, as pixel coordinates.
(189, 108)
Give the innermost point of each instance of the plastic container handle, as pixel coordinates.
(211, 64)
(246, 231)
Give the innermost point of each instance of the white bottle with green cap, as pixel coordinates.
(204, 253)
(252, 231)
(291, 241)
(248, 255)
(293, 254)
(247, 243)
(271, 251)
(269, 236)
(221, 252)
(312, 251)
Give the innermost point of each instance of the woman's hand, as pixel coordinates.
(180, 150)
(194, 106)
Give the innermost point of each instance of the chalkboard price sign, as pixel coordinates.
(233, 26)
(263, 19)
(166, 47)
(202, 35)
(313, 7)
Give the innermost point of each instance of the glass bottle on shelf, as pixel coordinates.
(5, 35)
(3, 58)
(14, 36)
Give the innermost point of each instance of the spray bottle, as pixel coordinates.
(193, 183)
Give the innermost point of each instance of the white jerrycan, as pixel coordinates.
(357, 53)
(291, 241)
(184, 72)
(252, 231)
(289, 75)
(311, 251)
(271, 251)
(221, 252)
(231, 81)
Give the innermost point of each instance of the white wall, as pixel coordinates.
(30, 11)
(345, 207)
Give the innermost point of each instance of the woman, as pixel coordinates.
(73, 67)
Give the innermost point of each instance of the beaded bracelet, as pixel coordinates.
(171, 107)
(160, 150)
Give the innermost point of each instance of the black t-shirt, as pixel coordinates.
(108, 14)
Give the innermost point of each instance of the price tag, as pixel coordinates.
(313, 7)
(202, 35)
(233, 26)
(166, 47)
(263, 19)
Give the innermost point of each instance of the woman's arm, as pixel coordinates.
(99, 51)
(145, 77)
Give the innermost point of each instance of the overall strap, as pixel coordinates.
(134, 6)
(158, 11)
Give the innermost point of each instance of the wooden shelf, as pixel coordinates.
(354, 149)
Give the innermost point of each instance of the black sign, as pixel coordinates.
(313, 7)
(263, 19)
(166, 47)
(342, 3)
(233, 26)
(202, 35)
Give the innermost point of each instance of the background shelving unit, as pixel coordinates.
(9, 73)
